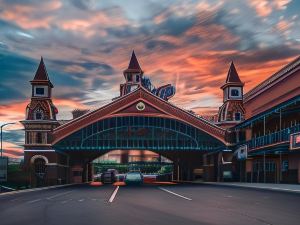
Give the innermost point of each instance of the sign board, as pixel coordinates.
(3, 169)
(227, 175)
(242, 152)
(295, 141)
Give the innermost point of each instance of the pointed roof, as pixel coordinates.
(134, 65)
(41, 74)
(232, 76)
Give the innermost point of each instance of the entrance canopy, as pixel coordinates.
(139, 120)
(139, 132)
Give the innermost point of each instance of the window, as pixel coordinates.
(129, 77)
(39, 114)
(137, 78)
(40, 91)
(40, 167)
(234, 92)
(39, 139)
(237, 116)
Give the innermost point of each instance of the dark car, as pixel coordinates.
(109, 176)
(134, 178)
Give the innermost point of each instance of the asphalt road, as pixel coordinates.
(176, 204)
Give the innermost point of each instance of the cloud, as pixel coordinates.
(86, 45)
(265, 7)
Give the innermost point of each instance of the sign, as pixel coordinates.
(242, 152)
(227, 175)
(3, 169)
(295, 141)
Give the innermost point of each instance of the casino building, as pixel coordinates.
(255, 137)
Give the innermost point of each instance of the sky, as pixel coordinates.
(86, 44)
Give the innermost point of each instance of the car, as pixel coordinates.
(109, 176)
(134, 178)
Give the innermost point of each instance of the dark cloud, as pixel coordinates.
(100, 68)
(81, 4)
(176, 26)
(162, 45)
(16, 136)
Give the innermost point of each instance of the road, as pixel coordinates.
(166, 205)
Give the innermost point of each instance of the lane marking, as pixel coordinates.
(64, 202)
(112, 197)
(33, 201)
(59, 194)
(81, 200)
(173, 193)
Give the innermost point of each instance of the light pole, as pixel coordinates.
(3, 125)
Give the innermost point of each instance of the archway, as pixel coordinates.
(177, 140)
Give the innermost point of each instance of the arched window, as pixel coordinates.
(38, 114)
(237, 116)
(40, 167)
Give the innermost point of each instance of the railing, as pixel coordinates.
(272, 138)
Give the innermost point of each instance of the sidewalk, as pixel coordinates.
(294, 188)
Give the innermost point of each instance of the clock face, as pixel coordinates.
(140, 106)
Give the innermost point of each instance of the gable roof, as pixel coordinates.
(272, 80)
(140, 94)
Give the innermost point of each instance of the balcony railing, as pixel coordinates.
(272, 138)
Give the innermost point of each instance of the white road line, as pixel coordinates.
(63, 202)
(173, 193)
(57, 195)
(33, 201)
(81, 200)
(112, 197)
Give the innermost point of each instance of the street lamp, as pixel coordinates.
(3, 125)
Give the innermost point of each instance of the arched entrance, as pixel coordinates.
(179, 141)
(38, 163)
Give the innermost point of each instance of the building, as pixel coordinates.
(254, 138)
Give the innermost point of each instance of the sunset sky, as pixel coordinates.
(86, 44)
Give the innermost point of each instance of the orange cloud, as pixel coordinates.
(22, 15)
(264, 8)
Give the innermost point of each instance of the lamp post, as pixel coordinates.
(3, 125)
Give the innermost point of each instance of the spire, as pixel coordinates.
(232, 76)
(134, 65)
(41, 74)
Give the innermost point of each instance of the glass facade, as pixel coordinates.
(145, 133)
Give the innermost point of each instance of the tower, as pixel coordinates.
(40, 120)
(232, 110)
(133, 76)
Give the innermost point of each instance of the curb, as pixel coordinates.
(278, 189)
(35, 189)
